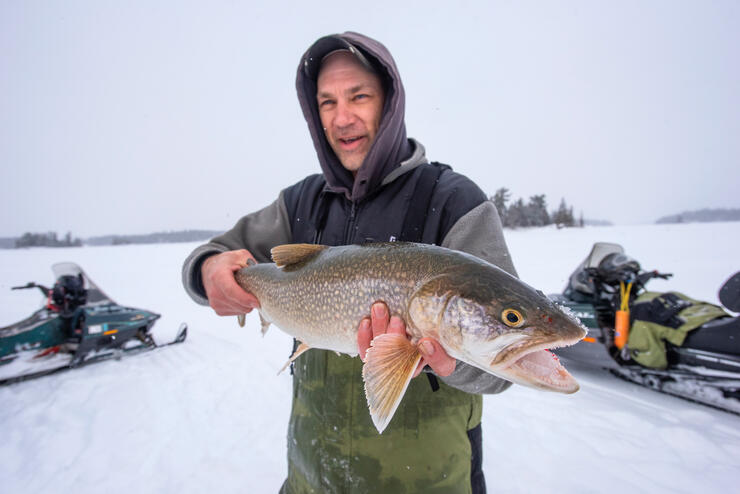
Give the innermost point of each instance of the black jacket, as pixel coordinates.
(427, 201)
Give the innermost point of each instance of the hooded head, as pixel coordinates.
(385, 144)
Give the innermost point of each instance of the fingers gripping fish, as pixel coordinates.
(480, 314)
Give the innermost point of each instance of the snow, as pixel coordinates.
(211, 414)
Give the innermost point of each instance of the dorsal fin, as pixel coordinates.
(287, 254)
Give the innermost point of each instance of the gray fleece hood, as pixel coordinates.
(390, 147)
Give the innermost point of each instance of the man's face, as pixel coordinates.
(350, 100)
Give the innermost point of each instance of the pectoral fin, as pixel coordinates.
(298, 351)
(389, 365)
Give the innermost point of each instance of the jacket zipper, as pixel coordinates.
(350, 223)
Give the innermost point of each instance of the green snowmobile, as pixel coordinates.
(78, 324)
(668, 341)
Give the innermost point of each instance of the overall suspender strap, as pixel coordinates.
(413, 224)
(416, 215)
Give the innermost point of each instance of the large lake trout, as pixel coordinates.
(479, 313)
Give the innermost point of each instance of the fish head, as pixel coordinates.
(499, 324)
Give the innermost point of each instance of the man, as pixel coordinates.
(376, 186)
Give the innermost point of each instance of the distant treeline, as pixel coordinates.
(702, 216)
(532, 213)
(154, 238)
(48, 239)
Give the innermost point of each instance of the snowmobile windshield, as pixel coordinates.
(95, 296)
(599, 251)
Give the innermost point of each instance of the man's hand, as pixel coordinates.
(225, 296)
(379, 323)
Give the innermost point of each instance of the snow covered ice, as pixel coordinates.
(210, 415)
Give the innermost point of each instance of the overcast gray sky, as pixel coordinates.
(142, 116)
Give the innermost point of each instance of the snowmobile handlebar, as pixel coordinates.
(31, 284)
(646, 276)
(613, 278)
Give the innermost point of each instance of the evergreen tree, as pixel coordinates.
(564, 215)
(537, 211)
(500, 199)
(517, 214)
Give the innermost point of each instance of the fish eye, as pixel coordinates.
(512, 318)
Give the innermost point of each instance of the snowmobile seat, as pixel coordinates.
(719, 336)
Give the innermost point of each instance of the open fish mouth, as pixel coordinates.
(538, 367)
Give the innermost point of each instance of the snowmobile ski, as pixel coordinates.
(716, 391)
(69, 362)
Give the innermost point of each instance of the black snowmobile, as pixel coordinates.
(665, 341)
(77, 325)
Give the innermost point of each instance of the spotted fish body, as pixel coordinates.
(322, 301)
(479, 313)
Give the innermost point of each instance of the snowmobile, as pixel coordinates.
(78, 324)
(699, 362)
